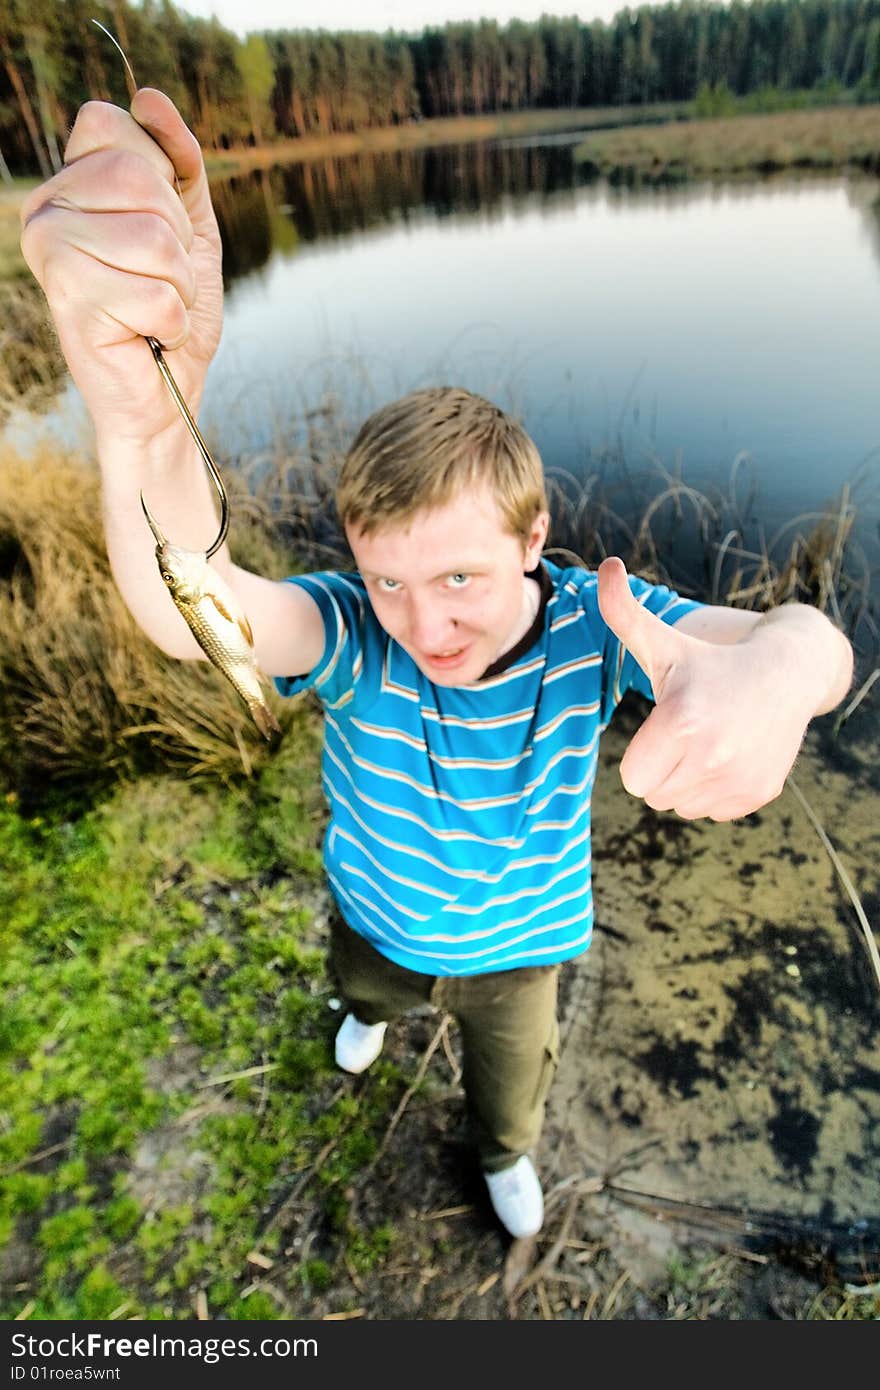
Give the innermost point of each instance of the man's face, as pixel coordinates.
(449, 587)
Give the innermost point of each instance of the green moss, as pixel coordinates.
(366, 1251)
(99, 1296)
(301, 1059)
(222, 1293)
(191, 1264)
(71, 1175)
(159, 1234)
(316, 1276)
(202, 1025)
(256, 1307)
(26, 1192)
(150, 945)
(122, 1216)
(63, 1233)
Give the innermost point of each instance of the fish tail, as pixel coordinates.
(264, 719)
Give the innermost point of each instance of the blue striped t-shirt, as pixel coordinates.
(459, 831)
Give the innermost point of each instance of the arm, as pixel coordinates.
(734, 693)
(125, 244)
(286, 623)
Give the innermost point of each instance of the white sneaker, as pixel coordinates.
(517, 1197)
(358, 1044)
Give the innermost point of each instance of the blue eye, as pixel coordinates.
(388, 586)
(458, 581)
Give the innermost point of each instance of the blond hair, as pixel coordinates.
(419, 451)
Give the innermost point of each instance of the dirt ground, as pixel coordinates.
(712, 1138)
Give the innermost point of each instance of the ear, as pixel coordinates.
(535, 543)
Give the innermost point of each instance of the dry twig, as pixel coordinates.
(614, 1295)
(844, 878)
(33, 1158)
(237, 1075)
(546, 1264)
(410, 1091)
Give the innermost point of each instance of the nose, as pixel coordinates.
(430, 627)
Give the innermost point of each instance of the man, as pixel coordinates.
(465, 680)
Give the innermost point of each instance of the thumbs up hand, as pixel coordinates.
(730, 713)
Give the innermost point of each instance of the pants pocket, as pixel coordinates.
(549, 1066)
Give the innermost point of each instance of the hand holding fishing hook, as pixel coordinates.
(165, 371)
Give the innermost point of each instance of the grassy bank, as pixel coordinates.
(453, 130)
(837, 138)
(448, 130)
(169, 1100)
(149, 956)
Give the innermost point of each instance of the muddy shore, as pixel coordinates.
(712, 1139)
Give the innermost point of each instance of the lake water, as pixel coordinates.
(688, 324)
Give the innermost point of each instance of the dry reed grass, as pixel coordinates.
(84, 696)
(707, 545)
(286, 493)
(31, 362)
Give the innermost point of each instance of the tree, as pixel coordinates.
(45, 81)
(402, 79)
(308, 81)
(258, 76)
(791, 70)
(12, 58)
(870, 80)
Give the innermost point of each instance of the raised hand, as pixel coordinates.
(122, 254)
(730, 713)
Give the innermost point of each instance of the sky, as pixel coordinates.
(408, 16)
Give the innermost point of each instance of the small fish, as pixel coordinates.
(216, 620)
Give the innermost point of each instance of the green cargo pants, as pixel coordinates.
(509, 1034)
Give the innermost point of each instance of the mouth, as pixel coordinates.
(445, 661)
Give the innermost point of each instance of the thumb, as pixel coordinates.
(654, 644)
(159, 117)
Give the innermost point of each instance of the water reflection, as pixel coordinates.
(332, 198)
(276, 210)
(246, 213)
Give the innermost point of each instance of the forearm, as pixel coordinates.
(794, 637)
(815, 652)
